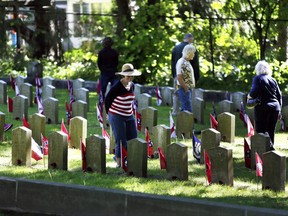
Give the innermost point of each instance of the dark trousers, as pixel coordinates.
(104, 80)
(266, 120)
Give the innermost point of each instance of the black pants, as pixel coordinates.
(266, 120)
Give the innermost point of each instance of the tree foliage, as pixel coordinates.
(230, 35)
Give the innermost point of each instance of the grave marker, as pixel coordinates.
(177, 161)
(161, 137)
(149, 118)
(37, 124)
(2, 123)
(21, 146)
(260, 143)
(48, 91)
(77, 131)
(79, 108)
(51, 109)
(83, 95)
(145, 100)
(3, 92)
(20, 107)
(210, 138)
(167, 98)
(58, 151)
(274, 171)
(48, 81)
(226, 126)
(137, 157)
(95, 154)
(78, 83)
(237, 98)
(26, 89)
(225, 106)
(198, 110)
(222, 165)
(184, 124)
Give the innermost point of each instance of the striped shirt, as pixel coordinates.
(122, 105)
(119, 100)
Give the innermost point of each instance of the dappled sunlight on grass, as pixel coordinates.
(247, 189)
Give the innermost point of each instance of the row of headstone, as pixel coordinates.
(274, 163)
(176, 153)
(26, 99)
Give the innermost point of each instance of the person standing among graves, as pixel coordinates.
(118, 104)
(108, 60)
(176, 55)
(185, 77)
(268, 110)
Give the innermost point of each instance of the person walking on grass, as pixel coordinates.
(118, 105)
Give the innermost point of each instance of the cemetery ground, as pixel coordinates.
(247, 189)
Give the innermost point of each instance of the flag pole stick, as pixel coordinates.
(43, 159)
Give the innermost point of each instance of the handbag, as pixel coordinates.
(252, 102)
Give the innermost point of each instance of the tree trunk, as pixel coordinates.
(283, 31)
(124, 15)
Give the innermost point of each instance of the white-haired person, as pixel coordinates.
(176, 55)
(118, 105)
(268, 110)
(185, 77)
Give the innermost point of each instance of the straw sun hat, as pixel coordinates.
(128, 70)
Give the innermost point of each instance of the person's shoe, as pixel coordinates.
(118, 162)
(7, 127)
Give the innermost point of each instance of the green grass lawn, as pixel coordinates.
(247, 189)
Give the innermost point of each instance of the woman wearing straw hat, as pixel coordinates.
(118, 105)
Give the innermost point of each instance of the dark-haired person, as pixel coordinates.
(118, 104)
(268, 111)
(108, 60)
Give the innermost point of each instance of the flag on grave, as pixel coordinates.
(208, 168)
(124, 157)
(149, 143)
(99, 115)
(158, 96)
(138, 120)
(246, 120)
(163, 163)
(36, 151)
(83, 154)
(196, 145)
(247, 154)
(172, 127)
(106, 135)
(213, 122)
(64, 129)
(7, 127)
(259, 165)
(25, 122)
(45, 144)
(68, 112)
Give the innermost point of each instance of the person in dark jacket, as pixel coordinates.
(268, 111)
(118, 105)
(176, 55)
(108, 60)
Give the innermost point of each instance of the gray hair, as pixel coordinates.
(262, 67)
(189, 48)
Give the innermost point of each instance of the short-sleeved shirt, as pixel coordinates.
(184, 67)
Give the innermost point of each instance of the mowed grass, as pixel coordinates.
(247, 189)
